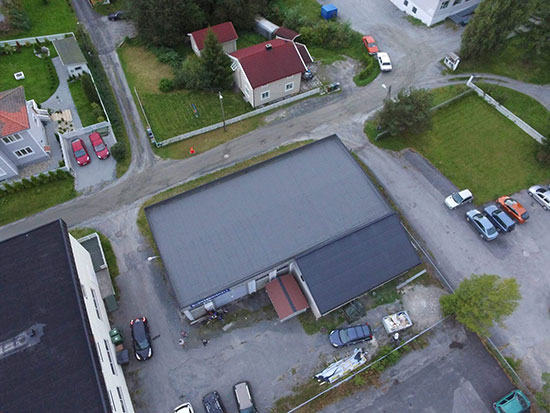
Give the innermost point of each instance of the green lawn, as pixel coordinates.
(514, 62)
(35, 199)
(83, 105)
(40, 77)
(247, 39)
(476, 147)
(46, 17)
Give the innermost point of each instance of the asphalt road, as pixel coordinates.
(453, 374)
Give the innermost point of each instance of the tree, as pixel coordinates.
(409, 112)
(118, 150)
(166, 22)
(239, 12)
(216, 64)
(190, 75)
(543, 396)
(537, 36)
(543, 154)
(89, 88)
(481, 301)
(493, 21)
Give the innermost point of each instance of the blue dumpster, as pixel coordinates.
(329, 11)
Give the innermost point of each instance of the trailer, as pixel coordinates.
(397, 322)
(341, 368)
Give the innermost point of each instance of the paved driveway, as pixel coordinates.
(454, 374)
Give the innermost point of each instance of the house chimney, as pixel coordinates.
(268, 46)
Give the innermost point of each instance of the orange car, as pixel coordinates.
(370, 44)
(513, 208)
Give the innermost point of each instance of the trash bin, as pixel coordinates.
(329, 11)
(114, 332)
(117, 339)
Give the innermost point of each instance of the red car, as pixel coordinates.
(99, 146)
(370, 44)
(80, 152)
(513, 208)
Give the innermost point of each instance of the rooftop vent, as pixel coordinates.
(268, 46)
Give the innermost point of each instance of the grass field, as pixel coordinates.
(514, 62)
(40, 81)
(35, 199)
(171, 114)
(247, 39)
(476, 147)
(83, 105)
(51, 17)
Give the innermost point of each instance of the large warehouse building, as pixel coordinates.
(308, 224)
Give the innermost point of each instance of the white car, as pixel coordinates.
(184, 408)
(541, 195)
(384, 62)
(459, 198)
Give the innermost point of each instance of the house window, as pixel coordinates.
(99, 352)
(247, 91)
(20, 153)
(289, 86)
(121, 398)
(406, 2)
(112, 401)
(457, 2)
(84, 291)
(265, 95)
(444, 5)
(12, 138)
(234, 65)
(414, 9)
(110, 357)
(2, 172)
(95, 303)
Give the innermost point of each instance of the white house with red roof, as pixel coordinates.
(270, 70)
(22, 135)
(225, 32)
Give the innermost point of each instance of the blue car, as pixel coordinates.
(500, 219)
(482, 225)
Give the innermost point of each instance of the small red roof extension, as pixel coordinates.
(286, 33)
(286, 296)
(223, 31)
(263, 66)
(13, 111)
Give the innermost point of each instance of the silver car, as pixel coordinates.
(482, 224)
(541, 195)
(244, 398)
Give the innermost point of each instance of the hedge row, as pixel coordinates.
(41, 179)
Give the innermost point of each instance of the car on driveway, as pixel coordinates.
(513, 402)
(457, 199)
(384, 62)
(80, 152)
(482, 224)
(351, 335)
(99, 146)
(118, 15)
(213, 403)
(141, 339)
(541, 195)
(184, 408)
(370, 44)
(513, 208)
(499, 218)
(244, 398)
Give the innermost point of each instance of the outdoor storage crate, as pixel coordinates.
(329, 11)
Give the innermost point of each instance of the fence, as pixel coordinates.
(518, 121)
(235, 119)
(32, 40)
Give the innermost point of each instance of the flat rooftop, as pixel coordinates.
(47, 361)
(224, 232)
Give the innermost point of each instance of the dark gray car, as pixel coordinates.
(481, 224)
(500, 219)
(213, 403)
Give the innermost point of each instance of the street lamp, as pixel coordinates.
(388, 96)
(223, 115)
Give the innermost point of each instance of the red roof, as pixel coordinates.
(225, 32)
(13, 111)
(262, 65)
(286, 33)
(286, 296)
(302, 49)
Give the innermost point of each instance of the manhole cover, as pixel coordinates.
(118, 234)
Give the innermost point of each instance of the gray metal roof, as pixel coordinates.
(224, 232)
(68, 51)
(359, 262)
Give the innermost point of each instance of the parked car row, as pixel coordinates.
(81, 153)
(213, 402)
(383, 58)
(501, 217)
